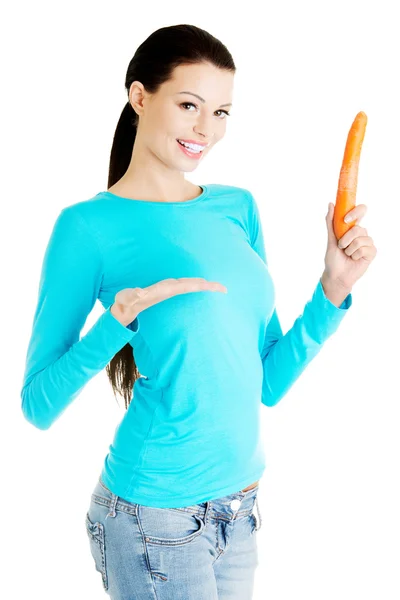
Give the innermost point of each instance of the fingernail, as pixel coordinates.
(348, 218)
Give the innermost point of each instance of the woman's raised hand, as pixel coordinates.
(130, 302)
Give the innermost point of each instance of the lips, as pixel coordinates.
(189, 149)
(192, 142)
(190, 153)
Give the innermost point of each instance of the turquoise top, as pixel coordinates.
(208, 360)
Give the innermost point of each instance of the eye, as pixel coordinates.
(195, 105)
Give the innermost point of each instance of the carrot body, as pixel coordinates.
(347, 187)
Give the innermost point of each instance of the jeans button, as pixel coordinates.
(235, 504)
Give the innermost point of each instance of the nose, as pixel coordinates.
(201, 128)
(206, 138)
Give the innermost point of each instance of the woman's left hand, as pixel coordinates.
(347, 259)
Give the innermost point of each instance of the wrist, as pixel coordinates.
(120, 316)
(334, 290)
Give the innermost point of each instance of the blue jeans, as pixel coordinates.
(207, 551)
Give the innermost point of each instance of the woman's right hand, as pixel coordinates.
(130, 302)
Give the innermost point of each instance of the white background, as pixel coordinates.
(329, 497)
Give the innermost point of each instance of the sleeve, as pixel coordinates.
(58, 363)
(285, 356)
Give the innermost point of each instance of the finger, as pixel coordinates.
(193, 284)
(356, 214)
(329, 224)
(357, 244)
(366, 252)
(186, 285)
(351, 235)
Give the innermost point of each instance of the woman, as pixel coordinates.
(172, 513)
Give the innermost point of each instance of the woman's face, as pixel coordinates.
(170, 114)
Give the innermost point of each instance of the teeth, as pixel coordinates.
(194, 147)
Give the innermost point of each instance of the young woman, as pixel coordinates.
(172, 513)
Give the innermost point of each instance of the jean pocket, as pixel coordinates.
(253, 522)
(95, 531)
(169, 527)
(256, 521)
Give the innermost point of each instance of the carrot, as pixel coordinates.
(347, 187)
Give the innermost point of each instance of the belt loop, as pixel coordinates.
(259, 514)
(114, 501)
(206, 513)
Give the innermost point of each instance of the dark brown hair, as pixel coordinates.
(153, 64)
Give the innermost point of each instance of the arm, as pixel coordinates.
(58, 363)
(285, 356)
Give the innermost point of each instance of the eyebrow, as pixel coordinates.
(202, 99)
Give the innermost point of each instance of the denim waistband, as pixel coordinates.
(230, 507)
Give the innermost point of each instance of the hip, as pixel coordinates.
(174, 552)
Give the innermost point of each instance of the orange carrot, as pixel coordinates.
(347, 187)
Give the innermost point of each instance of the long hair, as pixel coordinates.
(153, 64)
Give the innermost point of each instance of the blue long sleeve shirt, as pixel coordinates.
(208, 361)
